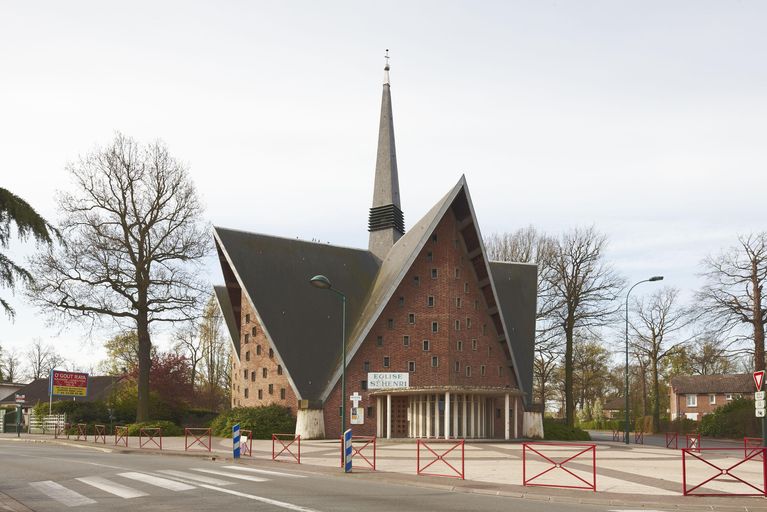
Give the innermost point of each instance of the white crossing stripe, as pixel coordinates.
(232, 475)
(111, 487)
(269, 501)
(264, 471)
(182, 475)
(157, 481)
(61, 494)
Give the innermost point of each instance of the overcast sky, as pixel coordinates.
(646, 119)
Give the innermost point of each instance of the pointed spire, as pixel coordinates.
(386, 223)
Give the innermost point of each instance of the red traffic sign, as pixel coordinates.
(759, 379)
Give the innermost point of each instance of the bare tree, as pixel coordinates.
(216, 354)
(189, 343)
(41, 359)
(658, 326)
(10, 366)
(705, 355)
(584, 294)
(134, 242)
(733, 298)
(590, 361)
(122, 353)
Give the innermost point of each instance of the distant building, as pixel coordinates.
(99, 388)
(694, 396)
(439, 339)
(9, 389)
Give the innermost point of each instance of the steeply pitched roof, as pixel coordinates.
(517, 287)
(303, 323)
(99, 387)
(731, 383)
(225, 304)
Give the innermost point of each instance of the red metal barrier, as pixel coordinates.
(721, 475)
(638, 437)
(365, 442)
(442, 456)
(101, 433)
(565, 449)
(693, 441)
(199, 435)
(152, 435)
(751, 443)
(246, 443)
(282, 439)
(672, 438)
(121, 436)
(619, 436)
(59, 430)
(82, 431)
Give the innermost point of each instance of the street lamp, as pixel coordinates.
(322, 282)
(626, 426)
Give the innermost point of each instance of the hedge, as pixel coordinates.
(262, 421)
(556, 431)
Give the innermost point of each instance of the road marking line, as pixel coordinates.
(191, 476)
(268, 501)
(61, 494)
(111, 487)
(232, 475)
(264, 471)
(157, 481)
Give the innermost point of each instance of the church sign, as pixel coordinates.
(388, 380)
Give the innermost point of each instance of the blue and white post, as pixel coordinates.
(236, 441)
(348, 451)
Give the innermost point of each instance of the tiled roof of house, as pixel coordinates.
(699, 384)
(99, 388)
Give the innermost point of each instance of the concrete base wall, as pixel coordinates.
(532, 425)
(310, 424)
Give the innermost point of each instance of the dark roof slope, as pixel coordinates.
(517, 285)
(303, 323)
(99, 388)
(231, 323)
(732, 383)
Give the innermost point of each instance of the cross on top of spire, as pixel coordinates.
(386, 68)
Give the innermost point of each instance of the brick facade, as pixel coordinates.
(703, 404)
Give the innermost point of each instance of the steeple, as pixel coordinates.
(386, 222)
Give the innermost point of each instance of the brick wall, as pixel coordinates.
(679, 407)
(467, 322)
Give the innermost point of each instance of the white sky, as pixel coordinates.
(643, 118)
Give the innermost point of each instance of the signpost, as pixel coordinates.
(20, 399)
(236, 441)
(759, 403)
(63, 383)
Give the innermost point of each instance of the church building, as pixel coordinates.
(438, 339)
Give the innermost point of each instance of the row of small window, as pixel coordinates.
(426, 344)
(692, 400)
(264, 373)
(245, 392)
(434, 364)
(258, 353)
(434, 274)
(435, 325)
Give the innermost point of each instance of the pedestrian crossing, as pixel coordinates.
(88, 490)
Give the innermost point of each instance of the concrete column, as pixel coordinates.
(388, 416)
(428, 416)
(447, 415)
(379, 417)
(506, 417)
(463, 423)
(516, 424)
(456, 434)
(436, 416)
(492, 418)
(482, 401)
(418, 416)
(472, 416)
(410, 419)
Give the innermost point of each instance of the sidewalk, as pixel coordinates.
(626, 475)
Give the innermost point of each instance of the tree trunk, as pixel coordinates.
(656, 396)
(643, 377)
(757, 318)
(144, 364)
(569, 403)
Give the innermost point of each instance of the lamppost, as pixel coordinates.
(322, 282)
(626, 426)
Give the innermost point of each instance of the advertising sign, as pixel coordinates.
(358, 416)
(388, 380)
(69, 383)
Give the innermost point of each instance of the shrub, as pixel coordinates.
(263, 421)
(168, 428)
(734, 420)
(556, 431)
(82, 412)
(681, 425)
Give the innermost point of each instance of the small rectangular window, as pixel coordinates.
(434, 238)
(411, 366)
(363, 384)
(468, 322)
(253, 331)
(406, 341)
(247, 355)
(430, 301)
(258, 350)
(282, 393)
(247, 319)
(458, 302)
(264, 372)
(459, 346)
(366, 366)
(411, 318)
(386, 361)
(417, 280)
(271, 353)
(484, 329)
(465, 287)
(434, 327)
(245, 374)
(434, 361)
(271, 389)
(425, 345)
(260, 394)
(457, 273)
(253, 376)
(390, 323)
(279, 369)
(429, 256)
(457, 325)
(712, 399)
(474, 344)
(370, 412)
(434, 273)
(402, 301)
(692, 400)
(476, 305)
(247, 338)
(482, 370)
(468, 371)
(246, 392)
(379, 341)
(500, 371)
(728, 396)
(489, 350)
(457, 366)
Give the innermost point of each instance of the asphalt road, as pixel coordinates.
(45, 477)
